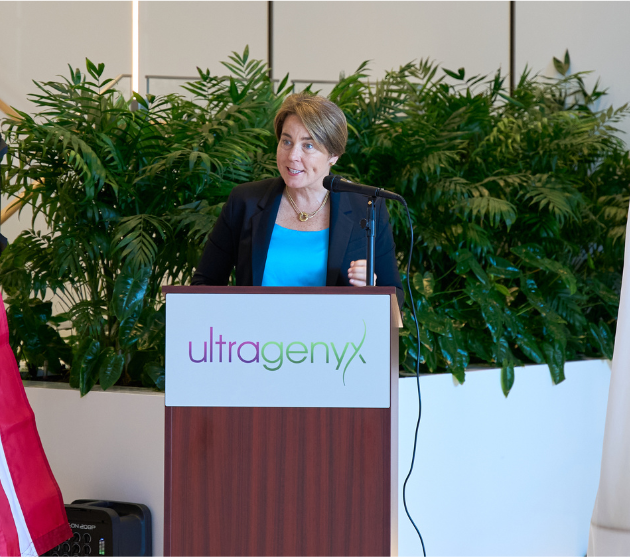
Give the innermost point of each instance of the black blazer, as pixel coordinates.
(242, 233)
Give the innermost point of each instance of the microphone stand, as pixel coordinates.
(370, 230)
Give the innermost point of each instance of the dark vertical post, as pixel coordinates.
(512, 49)
(370, 228)
(270, 38)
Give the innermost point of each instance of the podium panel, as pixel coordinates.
(282, 480)
(272, 349)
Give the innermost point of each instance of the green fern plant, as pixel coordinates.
(127, 195)
(519, 205)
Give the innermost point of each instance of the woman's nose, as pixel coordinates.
(294, 153)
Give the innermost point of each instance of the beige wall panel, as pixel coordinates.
(176, 37)
(596, 35)
(40, 39)
(318, 40)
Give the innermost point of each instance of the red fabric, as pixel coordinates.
(33, 480)
(9, 543)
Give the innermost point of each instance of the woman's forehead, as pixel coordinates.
(294, 128)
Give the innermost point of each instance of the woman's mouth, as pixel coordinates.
(294, 172)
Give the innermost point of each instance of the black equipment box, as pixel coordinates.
(107, 528)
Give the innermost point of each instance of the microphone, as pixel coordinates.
(334, 184)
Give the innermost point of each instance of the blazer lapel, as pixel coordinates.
(262, 228)
(341, 223)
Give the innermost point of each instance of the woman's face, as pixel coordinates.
(302, 163)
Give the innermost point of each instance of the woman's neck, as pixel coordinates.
(308, 199)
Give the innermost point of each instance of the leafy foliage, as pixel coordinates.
(128, 196)
(519, 205)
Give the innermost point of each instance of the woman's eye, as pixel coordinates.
(309, 146)
(286, 142)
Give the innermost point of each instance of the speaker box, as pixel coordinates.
(107, 528)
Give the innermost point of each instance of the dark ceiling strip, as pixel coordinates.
(270, 38)
(512, 47)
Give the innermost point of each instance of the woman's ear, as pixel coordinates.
(332, 160)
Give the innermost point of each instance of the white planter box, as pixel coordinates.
(106, 445)
(493, 476)
(497, 476)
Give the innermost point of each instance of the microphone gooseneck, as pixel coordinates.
(334, 183)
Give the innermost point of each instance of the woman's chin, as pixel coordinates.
(292, 181)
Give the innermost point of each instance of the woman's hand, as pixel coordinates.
(357, 273)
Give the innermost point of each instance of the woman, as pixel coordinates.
(290, 231)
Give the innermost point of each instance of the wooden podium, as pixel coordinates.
(254, 480)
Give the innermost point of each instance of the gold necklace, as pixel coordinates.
(301, 214)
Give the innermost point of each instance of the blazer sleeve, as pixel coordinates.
(221, 252)
(385, 264)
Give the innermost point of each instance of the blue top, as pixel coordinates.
(296, 258)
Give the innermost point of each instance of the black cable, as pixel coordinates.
(415, 440)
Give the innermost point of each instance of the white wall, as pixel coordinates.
(596, 35)
(40, 39)
(318, 40)
(176, 37)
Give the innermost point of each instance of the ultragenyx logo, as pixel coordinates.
(273, 353)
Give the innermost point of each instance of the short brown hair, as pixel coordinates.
(323, 119)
